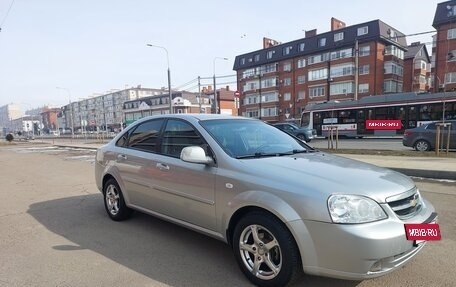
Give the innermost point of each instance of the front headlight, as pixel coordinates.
(354, 209)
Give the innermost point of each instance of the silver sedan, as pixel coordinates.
(282, 206)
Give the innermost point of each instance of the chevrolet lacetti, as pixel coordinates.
(284, 207)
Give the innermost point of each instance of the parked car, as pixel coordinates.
(423, 138)
(284, 207)
(302, 133)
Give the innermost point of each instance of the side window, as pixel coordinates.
(145, 136)
(177, 135)
(123, 140)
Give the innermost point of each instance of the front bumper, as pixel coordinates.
(357, 251)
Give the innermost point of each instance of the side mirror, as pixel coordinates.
(195, 154)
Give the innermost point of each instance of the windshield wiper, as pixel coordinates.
(262, 154)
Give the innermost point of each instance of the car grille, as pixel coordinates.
(405, 204)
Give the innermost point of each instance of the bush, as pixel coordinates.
(9, 137)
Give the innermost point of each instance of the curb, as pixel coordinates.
(436, 174)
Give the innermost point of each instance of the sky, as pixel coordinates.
(90, 47)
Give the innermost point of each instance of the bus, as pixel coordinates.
(349, 117)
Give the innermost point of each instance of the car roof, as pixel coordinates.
(195, 117)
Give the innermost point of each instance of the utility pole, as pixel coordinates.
(356, 69)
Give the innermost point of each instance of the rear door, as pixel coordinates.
(136, 160)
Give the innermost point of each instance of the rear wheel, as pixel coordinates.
(422, 145)
(266, 251)
(114, 201)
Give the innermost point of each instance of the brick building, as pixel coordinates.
(444, 47)
(278, 81)
(417, 68)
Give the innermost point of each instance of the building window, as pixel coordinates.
(319, 74)
(451, 56)
(287, 66)
(391, 86)
(321, 42)
(342, 70)
(318, 91)
(451, 33)
(242, 61)
(342, 88)
(251, 113)
(269, 54)
(301, 95)
(269, 97)
(363, 30)
(287, 96)
(338, 36)
(345, 53)
(269, 112)
(395, 51)
(451, 10)
(301, 79)
(364, 70)
(317, 58)
(393, 68)
(301, 63)
(267, 68)
(287, 50)
(270, 82)
(302, 46)
(287, 81)
(450, 78)
(257, 57)
(364, 51)
(363, 88)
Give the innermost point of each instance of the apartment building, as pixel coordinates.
(183, 103)
(348, 62)
(8, 113)
(417, 68)
(444, 48)
(102, 112)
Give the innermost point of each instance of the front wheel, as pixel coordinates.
(422, 145)
(114, 201)
(266, 251)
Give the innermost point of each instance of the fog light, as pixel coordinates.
(376, 267)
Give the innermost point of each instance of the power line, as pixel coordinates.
(7, 12)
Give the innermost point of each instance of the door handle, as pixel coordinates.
(122, 157)
(162, 166)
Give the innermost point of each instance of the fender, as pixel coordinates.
(282, 210)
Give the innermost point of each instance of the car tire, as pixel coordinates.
(422, 145)
(114, 201)
(266, 251)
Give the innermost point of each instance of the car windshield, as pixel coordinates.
(243, 138)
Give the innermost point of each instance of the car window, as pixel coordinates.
(240, 138)
(177, 135)
(145, 136)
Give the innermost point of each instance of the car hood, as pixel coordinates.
(324, 174)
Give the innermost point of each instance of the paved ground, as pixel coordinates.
(54, 232)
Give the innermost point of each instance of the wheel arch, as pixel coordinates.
(423, 140)
(281, 210)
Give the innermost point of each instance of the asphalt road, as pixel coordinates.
(54, 232)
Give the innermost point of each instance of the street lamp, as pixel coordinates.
(169, 77)
(71, 109)
(215, 88)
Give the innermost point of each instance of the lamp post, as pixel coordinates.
(169, 77)
(71, 109)
(215, 89)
